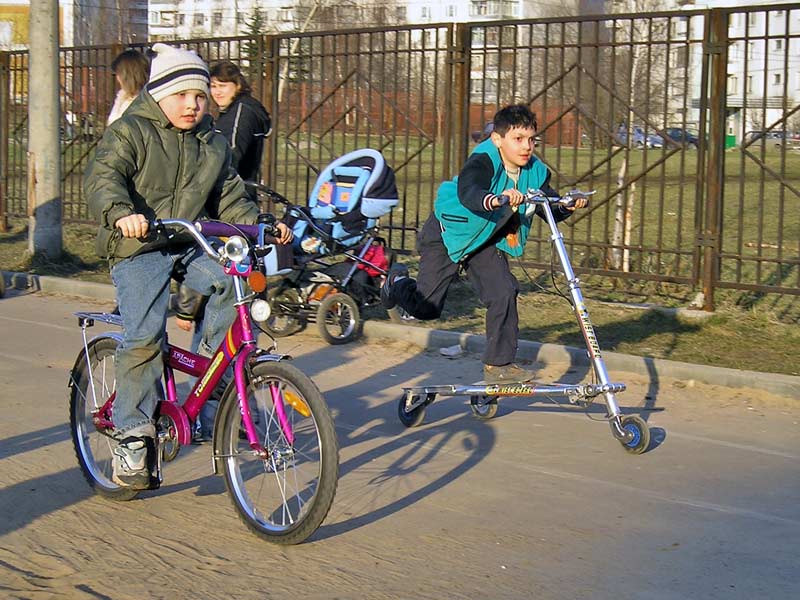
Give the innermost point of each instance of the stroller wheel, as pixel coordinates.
(284, 319)
(338, 319)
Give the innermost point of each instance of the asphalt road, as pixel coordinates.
(540, 502)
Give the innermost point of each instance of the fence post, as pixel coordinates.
(5, 105)
(458, 97)
(716, 51)
(269, 90)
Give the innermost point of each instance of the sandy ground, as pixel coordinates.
(539, 502)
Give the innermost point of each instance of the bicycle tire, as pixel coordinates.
(285, 497)
(92, 447)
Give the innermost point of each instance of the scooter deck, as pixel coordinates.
(528, 388)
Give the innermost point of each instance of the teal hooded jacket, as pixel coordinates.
(466, 223)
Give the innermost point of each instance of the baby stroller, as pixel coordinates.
(338, 259)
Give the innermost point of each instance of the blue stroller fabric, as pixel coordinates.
(350, 194)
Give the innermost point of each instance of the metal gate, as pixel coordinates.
(684, 122)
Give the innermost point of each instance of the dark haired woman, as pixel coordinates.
(243, 120)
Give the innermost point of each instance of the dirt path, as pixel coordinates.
(540, 502)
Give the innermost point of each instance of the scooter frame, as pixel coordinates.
(630, 430)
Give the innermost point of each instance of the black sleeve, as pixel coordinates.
(245, 129)
(475, 183)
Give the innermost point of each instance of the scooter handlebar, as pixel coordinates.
(539, 197)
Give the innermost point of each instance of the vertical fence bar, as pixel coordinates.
(461, 91)
(716, 52)
(4, 138)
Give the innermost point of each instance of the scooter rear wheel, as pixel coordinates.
(413, 417)
(482, 408)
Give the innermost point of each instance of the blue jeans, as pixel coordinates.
(142, 284)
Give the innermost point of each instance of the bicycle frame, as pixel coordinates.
(238, 347)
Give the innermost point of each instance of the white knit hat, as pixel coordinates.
(174, 70)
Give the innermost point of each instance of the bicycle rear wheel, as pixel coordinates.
(284, 496)
(92, 383)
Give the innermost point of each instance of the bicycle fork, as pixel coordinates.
(587, 329)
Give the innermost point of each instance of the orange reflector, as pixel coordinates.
(297, 403)
(257, 281)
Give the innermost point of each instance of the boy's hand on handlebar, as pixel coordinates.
(132, 226)
(578, 202)
(514, 196)
(283, 233)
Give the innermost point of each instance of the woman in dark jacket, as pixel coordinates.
(243, 120)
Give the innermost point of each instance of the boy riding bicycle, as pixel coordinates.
(161, 159)
(473, 229)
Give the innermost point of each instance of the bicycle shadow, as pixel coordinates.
(384, 467)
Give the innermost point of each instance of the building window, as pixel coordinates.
(199, 19)
(286, 14)
(400, 13)
(776, 79)
(749, 84)
(154, 18)
(451, 11)
(479, 8)
(778, 44)
(425, 12)
(240, 17)
(733, 85)
(217, 19)
(181, 19)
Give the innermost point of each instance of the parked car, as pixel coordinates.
(774, 139)
(682, 136)
(640, 139)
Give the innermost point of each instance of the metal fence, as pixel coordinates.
(615, 96)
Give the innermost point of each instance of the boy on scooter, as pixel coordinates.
(474, 230)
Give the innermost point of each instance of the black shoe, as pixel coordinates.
(396, 271)
(509, 373)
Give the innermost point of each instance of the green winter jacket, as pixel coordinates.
(145, 165)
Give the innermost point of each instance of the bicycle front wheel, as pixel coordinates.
(93, 382)
(285, 494)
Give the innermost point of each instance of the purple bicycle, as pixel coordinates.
(274, 439)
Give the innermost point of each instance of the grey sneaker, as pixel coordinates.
(509, 373)
(396, 271)
(130, 463)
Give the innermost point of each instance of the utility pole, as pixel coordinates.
(44, 152)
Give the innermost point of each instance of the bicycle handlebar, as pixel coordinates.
(203, 229)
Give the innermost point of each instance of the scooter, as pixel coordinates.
(630, 430)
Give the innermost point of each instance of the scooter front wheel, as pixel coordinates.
(640, 432)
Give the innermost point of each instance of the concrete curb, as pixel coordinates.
(654, 368)
(59, 285)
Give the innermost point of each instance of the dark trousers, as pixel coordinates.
(487, 270)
